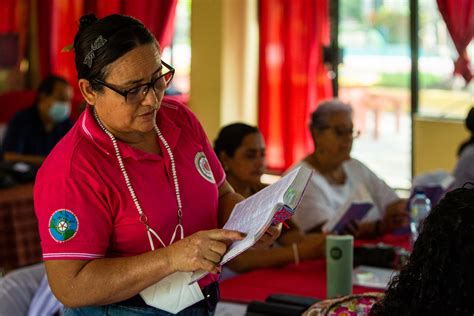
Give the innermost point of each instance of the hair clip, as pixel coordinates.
(98, 43)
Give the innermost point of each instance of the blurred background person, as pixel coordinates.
(33, 132)
(464, 171)
(337, 176)
(241, 150)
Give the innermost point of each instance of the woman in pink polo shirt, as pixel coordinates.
(130, 201)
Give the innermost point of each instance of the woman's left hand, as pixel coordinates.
(271, 234)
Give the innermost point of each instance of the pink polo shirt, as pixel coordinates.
(84, 207)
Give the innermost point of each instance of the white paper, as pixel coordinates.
(253, 216)
(372, 277)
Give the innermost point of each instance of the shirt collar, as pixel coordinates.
(165, 117)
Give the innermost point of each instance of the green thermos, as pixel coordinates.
(339, 259)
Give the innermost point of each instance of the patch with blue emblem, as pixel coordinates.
(63, 225)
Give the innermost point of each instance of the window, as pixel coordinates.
(375, 79)
(441, 94)
(179, 53)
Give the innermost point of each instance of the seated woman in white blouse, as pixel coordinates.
(337, 177)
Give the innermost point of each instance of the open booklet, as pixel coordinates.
(272, 205)
(355, 208)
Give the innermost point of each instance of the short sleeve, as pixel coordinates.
(74, 220)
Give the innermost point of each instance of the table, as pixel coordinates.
(19, 238)
(306, 279)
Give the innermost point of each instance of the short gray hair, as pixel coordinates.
(320, 117)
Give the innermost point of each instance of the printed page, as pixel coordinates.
(253, 216)
(292, 197)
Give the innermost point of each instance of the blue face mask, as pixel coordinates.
(59, 111)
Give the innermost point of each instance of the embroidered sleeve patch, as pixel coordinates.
(63, 225)
(203, 167)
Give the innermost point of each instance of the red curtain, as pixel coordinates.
(293, 78)
(57, 27)
(158, 16)
(459, 18)
(58, 20)
(9, 20)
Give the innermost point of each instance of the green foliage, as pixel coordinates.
(393, 25)
(351, 9)
(402, 80)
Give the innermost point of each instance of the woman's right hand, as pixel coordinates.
(202, 250)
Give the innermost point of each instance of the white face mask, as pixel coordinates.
(173, 293)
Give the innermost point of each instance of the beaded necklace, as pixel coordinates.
(143, 218)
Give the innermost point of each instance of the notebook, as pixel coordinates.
(354, 209)
(355, 212)
(272, 205)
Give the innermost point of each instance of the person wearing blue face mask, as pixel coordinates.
(33, 132)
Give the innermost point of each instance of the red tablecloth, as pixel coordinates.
(19, 237)
(306, 279)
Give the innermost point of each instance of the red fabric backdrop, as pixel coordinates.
(57, 25)
(292, 78)
(8, 20)
(459, 18)
(14, 21)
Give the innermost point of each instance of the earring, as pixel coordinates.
(226, 168)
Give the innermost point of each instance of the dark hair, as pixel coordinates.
(438, 278)
(46, 87)
(324, 111)
(230, 138)
(122, 34)
(470, 126)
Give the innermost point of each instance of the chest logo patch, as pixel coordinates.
(203, 167)
(63, 225)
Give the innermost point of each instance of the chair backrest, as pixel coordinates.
(18, 288)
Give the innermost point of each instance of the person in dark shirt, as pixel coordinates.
(32, 133)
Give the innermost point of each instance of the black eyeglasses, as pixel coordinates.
(342, 131)
(137, 94)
